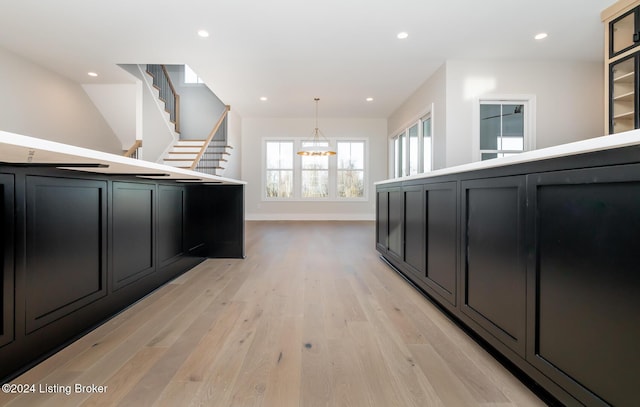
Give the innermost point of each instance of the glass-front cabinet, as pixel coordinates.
(622, 56)
(623, 102)
(623, 32)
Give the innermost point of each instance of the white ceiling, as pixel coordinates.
(291, 51)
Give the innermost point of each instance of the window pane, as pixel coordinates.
(351, 155)
(426, 145)
(279, 184)
(413, 150)
(490, 119)
(351, 184)
(315, 184)
(403, 156)
(313, 162)
(488, 156)
(279, 155)
(397, 165)
(512, 127)
(286, 155)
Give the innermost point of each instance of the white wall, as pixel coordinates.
(200, 108)
(431, 93)
(253, 131)
(569, 99)
(569, 102)
(233, 167)
(117, 104)
(39, 103)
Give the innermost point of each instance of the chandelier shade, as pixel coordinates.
(318, 144)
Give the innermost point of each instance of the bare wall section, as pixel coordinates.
(40, 103)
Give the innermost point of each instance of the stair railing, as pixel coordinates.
(168, 94)
(211, 136)
(134, 150)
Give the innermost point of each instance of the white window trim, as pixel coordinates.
(297, 171)
(529, 100)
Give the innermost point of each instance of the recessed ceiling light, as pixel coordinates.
(203, 33)
(402, 35)
(263, 98)
(541, 36)
(92, 74)
(369, 99)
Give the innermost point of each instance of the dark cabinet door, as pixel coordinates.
(133, 232)
(414, 246)
(441, 239)
(170, 224)
(494, 258)
(7, 287)
(584, 282)
(396, 222)
(66, 244)
(382, 220)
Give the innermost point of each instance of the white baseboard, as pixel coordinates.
(311, 216)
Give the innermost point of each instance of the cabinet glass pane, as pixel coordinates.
(622, 32)
(623, 95)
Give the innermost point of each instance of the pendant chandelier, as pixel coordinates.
(318, 145)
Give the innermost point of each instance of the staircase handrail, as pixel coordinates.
(132, 152)
(210, 137)
(166, 88)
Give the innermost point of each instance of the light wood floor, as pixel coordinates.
(312, 317)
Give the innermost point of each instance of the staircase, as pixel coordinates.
(212, 161)
(208, 156)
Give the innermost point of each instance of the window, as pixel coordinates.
(279, 173)
(398, 153)
(351, 169)
(413, 148)
(290, 176)
(315, 173)
(505, 127)
(190, 76)
(413, 152)
(427, 164)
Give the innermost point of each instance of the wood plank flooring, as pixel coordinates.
(312, 317)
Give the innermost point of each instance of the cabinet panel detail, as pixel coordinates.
(396, 220)
(494, 281)
(588, 228)
(170, 223)
(382, 220)
(441, 238)
(66, 246)
(7, 287)
(133, 233)
(414, 213)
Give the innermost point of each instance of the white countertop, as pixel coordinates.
(619, 140)
(18, 149)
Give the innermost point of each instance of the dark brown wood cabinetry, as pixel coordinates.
(539, 259)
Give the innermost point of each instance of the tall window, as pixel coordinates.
(351, 169)
(398, 171)
(427, 164)
(413, 148)
(315, 173)
(505, 127)
(279, 171)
